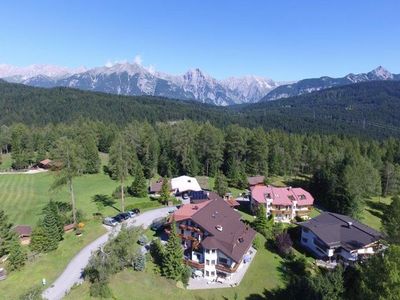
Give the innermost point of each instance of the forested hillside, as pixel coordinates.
(367, 109)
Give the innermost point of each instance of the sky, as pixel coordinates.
(282, 40)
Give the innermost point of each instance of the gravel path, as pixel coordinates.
(72, 273)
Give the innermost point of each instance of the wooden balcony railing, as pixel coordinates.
(193, 264)
(190, 228)
(226, 269)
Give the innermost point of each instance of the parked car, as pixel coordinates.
(110, 221)
(131, 213)
(158, 224)
(119, 218)
(136, 211)
(124, 215)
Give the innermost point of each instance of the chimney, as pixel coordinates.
(349, 224)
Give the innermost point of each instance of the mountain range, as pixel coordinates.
(310, 85)
(133, 79)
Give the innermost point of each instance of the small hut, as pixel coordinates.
(25, 233)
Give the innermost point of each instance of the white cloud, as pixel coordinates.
(138, 59)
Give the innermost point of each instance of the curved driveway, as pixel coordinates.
(72, 273)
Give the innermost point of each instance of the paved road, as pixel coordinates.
(72, 273)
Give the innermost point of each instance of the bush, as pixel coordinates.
(283, 243)
(257, 242)
(186, 274)
(34, 293)
(139, 263)
(143, 240)
(117, 192)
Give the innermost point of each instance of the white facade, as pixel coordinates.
(210, 262)
(310, 241)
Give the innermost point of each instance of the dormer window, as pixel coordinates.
(240, 240)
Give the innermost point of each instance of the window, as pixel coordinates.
(207, 251)
(207, 262)
(182, 231)
(213, 262)
(212, 273)
(207, 273)
(213, 250)
(305, 240)
(305, 229)
(223, 260)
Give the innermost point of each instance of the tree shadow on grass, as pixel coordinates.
(375, 213)
(102, 200)
(299, 181)
(377, 206)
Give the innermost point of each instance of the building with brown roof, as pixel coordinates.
(255, 180)
(331, 236)
(215, 239)
(24, 233)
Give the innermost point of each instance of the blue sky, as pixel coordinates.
(283, 40)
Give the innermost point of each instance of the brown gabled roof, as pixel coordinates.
(339, 230)
(254, 180)
(23, 230)
(234, 238)
(45, 161)
(156, 187)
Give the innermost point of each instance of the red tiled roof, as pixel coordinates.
(186, 211)
(281, 195)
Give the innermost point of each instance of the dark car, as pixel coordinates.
(158, 224)
(118, 218)
(125, 215)
(136, 211)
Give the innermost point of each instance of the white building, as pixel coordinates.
(331, 236)
(215, 240)
(184, 184)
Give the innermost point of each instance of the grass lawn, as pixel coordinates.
(372, 214)
(23, 196)
(263, 274)
(48, 265)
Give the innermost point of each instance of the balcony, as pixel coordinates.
(281, 212)
(226, 268)
(193, 264)
(190, 228)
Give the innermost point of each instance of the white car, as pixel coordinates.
(110, 222)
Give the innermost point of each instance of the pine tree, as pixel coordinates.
(261, 223)
(221, 184)
(51, 212)
(173, 267)
(6, 234)
(90, 153)
(391, 221)
(39, 240)
(49, 232)
(139, 184)
(17, 256)
(165, 191)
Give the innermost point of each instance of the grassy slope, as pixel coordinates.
(262, 274)
(49, 265)
(22, 197)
